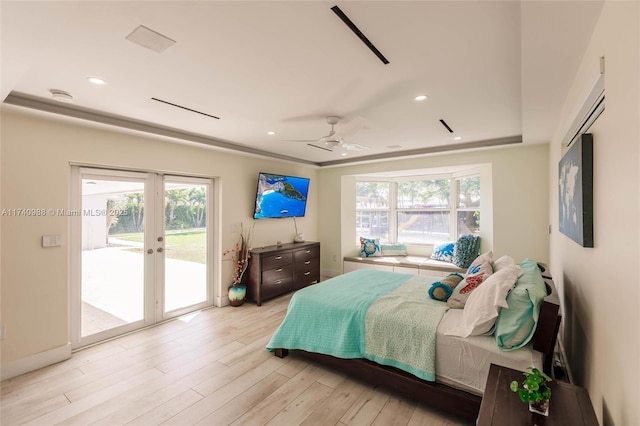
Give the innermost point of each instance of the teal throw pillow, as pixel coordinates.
(393, 249)
(443, 252)
(516, 324)
(465, 250)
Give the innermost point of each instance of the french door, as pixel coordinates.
(141, 250)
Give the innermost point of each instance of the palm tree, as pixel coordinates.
(174, 198)
(197, 206)
(135, 204)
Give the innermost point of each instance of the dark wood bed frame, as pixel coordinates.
(440, 396)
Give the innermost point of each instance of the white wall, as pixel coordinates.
(35, 173)
(600, 285)
(519, 176)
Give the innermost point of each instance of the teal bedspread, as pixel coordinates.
(382, 316)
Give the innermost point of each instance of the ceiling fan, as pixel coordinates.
(335, 139)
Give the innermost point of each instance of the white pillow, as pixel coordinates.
(484, 303)
(502, 262)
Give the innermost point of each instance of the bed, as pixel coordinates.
(344, 323)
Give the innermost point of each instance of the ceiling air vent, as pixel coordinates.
(349, 23)
(150, 39)
(185, 108)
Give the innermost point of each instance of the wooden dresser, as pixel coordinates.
(275, 270)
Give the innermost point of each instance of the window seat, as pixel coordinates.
(422, 265)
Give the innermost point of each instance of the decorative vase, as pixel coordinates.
(236, 294)
(540, 407)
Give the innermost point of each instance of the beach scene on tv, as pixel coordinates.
(281, 196)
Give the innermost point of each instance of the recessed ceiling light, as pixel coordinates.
(271, 133)
(457, 138)
(420, 98)
(344, 154)
(96, 80)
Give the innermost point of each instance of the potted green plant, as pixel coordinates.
(534, 390)
(240, 257)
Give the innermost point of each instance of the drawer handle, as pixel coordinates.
(307, 273)
(279, 282)
(308, 251)
(278, 257)
(279, 270)
(307, 262)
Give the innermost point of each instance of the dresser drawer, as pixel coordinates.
(306, 254)
(277, 287)
(277, 260)
(277, 274)
(304, 277)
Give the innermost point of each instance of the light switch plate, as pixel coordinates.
(54, 240)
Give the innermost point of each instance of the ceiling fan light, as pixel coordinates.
(420, 98)
(61, 96)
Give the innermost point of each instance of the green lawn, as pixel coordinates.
(189, 245)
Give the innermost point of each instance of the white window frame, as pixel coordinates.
(393, 201)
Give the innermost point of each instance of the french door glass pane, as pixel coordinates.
(112, 286)
(185, 248)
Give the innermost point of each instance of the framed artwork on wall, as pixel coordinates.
(576, 191)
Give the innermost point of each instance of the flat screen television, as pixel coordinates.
(280, 196)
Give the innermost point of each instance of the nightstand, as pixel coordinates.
(569, 405)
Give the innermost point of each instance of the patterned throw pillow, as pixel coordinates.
(443, 252)
(369, 247)
(465, 250)
(478, 271)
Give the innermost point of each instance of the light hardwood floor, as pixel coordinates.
(207, 368)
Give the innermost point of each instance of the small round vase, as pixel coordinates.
(236, 294)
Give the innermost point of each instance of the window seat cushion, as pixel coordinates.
(422, 262)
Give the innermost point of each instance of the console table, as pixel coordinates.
(569, 405)
(276, 270)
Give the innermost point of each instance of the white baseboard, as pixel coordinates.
(34, 362)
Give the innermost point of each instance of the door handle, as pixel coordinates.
(160, 250)
(149, 251)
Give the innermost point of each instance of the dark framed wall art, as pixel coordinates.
(576, 191)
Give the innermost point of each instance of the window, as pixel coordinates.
(423, 210)
(372, 209)
(418, 210)
(468, 205)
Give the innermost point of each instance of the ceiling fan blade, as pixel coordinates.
(300, 140)
(353, 146)
(351, 127)
(320, 147)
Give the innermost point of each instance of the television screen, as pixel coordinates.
(281, 196)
